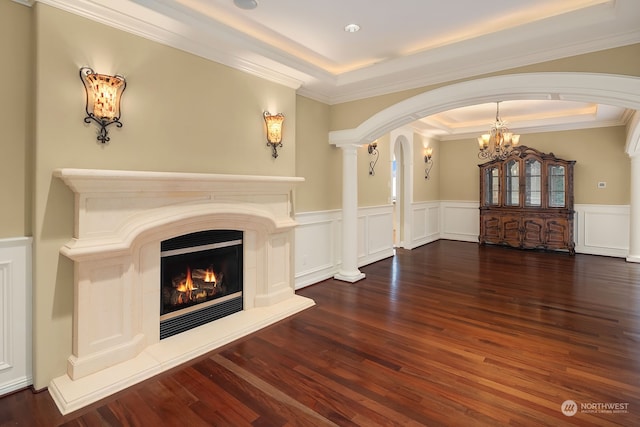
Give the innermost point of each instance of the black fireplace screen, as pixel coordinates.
(201, 279)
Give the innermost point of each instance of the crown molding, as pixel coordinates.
(445, 72)
(138, 20)
(604, 26)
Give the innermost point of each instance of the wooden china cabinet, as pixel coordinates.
(526, 201)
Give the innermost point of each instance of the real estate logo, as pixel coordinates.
(570, 408)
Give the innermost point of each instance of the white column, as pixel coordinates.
(634, 217)
(349, 268)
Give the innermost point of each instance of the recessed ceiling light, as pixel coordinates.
(246, 4)
(352, 28)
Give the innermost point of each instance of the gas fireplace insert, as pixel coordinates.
(201, 279)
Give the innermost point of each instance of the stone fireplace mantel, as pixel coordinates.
(121, 217)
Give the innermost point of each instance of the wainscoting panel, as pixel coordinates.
(426, 223)
(602, 229)
(377, 233)
(318, 242)
(460, 220)
(599, 230)
(15, 314)
(317, 246)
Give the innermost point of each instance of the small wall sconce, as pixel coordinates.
(373, 155)
(103, 99)
(274, 131)
(428, 160)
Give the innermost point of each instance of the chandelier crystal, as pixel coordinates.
(499, 142)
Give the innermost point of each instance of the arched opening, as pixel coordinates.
(623, 91)
(401, 151)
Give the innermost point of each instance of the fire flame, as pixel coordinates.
(210, 276)
(187, 285)
(188, 289)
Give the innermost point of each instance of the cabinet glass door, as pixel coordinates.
(533, 183)
(556, 186)
(491, 186)
(513, 183)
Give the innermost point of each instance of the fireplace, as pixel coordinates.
(130, 227)
(200, 279)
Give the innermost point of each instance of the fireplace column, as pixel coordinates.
(349, 269)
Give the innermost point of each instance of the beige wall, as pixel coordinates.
(599, 155)
(425, 190)
(180, 113)
(374, 190)
(458, 162)
(317, 161)
(15, 119)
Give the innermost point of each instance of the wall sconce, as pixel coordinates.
(373, 155)
(103, 99)
(274, 131)
(428, 160)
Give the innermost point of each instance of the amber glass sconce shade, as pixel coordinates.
(274, 131)
(103, 93)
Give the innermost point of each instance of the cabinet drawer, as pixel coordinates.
(534, 232)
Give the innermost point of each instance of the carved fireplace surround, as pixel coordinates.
(121, 217)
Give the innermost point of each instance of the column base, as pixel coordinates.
(350, 276)
(633, 258)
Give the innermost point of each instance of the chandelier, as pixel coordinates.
(499, 142)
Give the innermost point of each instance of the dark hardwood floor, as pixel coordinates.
(447, 334)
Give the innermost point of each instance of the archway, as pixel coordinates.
(402, 149)
(623, 91)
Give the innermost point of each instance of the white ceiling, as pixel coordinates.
(402, 44)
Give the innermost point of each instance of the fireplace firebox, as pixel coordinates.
(201, 279)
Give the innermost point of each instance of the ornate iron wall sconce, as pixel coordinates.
(428, 160)
(373, 155)
(274, 131)
(103, 93)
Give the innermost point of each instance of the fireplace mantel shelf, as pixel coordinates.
(117, 181)
(113, 205)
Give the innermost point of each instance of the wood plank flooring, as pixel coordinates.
(451, 333)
